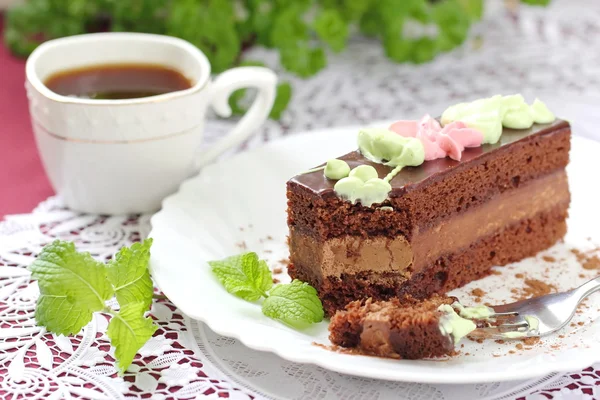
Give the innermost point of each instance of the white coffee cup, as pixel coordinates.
(125, 156)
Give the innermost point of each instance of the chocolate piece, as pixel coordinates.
(400, 328)
(449, 222)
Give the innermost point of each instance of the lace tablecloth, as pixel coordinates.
(551, 52)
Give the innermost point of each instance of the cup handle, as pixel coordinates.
(264, 80)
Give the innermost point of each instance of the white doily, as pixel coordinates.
(184, 359)
(551, 50)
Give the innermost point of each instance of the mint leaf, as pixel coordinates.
(332, 29)
(244, 275)
(63, 274)
(128, 331)
(128, 273)
(295, 304)
(61, 316)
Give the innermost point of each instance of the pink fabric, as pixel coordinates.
(449, 141)
(23, 183)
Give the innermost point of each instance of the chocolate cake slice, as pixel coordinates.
(441, 224)
(401, 328)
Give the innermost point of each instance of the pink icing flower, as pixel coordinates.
(449, 141)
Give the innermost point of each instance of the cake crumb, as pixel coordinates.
(276, 281)
(467, 354)
(478, 293)
(496, 272)
(531, 341)
(284, 261)
(499, 341)
(582, 276)
(548, 258)
(580, 323)
(277, 270)
(519, 346)
(269, 237)
(519, 276)
(511, 352)
(561, 336)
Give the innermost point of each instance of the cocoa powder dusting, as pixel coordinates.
(586, 260)
(535, 288)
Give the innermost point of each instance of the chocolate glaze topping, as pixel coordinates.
(409, 177)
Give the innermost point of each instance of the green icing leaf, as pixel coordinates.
(384, 146)
(244, 275)
(128, 331)
(295, 304)
(128, 273)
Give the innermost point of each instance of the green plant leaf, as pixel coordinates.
(128, 273)
(244, 275)
(72, 281)
(332, 29)
(282, 99)
(295, 304)
(128, 331)
(60, 315)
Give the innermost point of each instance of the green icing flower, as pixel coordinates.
(540, 112)
(491, 114)
(363, 186)
(384, 146)
(336, 169)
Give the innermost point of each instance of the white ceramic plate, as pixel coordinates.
(240, 203)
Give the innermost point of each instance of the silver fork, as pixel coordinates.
(552, 312)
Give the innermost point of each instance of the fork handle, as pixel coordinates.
(588, 288)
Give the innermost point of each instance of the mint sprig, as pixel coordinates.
(244, 276)
(73, 286)
(295, 304)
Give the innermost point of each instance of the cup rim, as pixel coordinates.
(35, 81)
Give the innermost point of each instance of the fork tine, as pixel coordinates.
(505, 314)
(519, 326)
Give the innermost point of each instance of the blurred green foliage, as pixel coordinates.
(300, 30)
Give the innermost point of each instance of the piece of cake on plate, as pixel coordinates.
(406, 328)
(426, 206)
